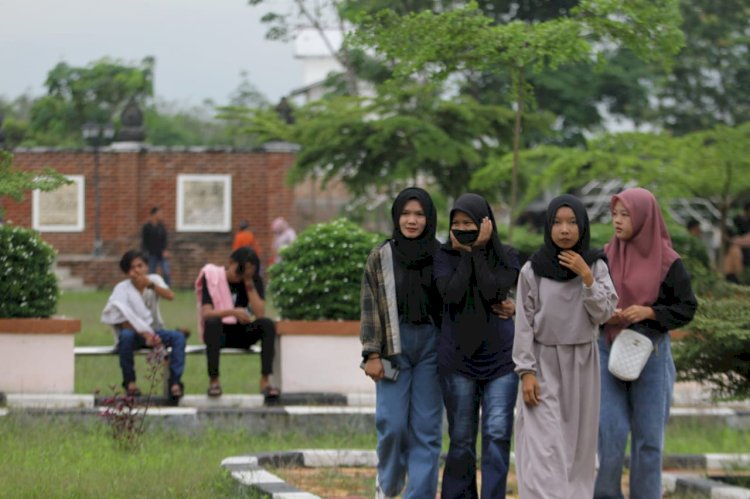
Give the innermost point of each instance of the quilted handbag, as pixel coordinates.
(628, 355)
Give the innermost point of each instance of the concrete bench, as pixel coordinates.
(189, 350)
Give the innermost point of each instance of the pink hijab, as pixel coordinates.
(638, 266)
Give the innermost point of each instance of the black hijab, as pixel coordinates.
(544, 261)
(414, 256)
(473, 314)
(478, 208)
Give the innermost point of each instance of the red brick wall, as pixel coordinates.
(132, 181)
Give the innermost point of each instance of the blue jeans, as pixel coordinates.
(409, 417)
(463, 397)
(154, 261)
(130, 341)
(640, 407)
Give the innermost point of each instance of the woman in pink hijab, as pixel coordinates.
(655, 296)
(283, 235)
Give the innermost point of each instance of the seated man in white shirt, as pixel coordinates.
(133, 310)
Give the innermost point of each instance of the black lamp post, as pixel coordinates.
(97, 135)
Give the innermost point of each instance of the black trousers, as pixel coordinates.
(218, 335)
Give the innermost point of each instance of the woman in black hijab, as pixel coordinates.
(564, 292)
(400, 314)
(474, 273)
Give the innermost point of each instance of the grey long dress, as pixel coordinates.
(557, 324)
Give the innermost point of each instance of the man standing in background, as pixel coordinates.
(154, 243)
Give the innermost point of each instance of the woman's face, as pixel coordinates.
(234, 275)
(622, 222)
(462, 221)
(565, 233)
(413, 220)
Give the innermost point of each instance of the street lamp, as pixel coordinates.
(96, 135)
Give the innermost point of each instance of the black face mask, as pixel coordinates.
(465, 237)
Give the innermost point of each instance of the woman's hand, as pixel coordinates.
(573, 261)
(485, 232)
(374, 368)
(637, 313)
(616, 317)
(458, 246)
(530, 389)
(505, 309)
(242, 315)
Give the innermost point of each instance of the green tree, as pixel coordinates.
(76, 95)
(14, 183)
(437, 46)
(708, 85)
(401, 133)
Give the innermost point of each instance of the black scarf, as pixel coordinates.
(544, 261)
(414, 257)
(478, 208)
(473, 314)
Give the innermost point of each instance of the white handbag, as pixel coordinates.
(629, 353)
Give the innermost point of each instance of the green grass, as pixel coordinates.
(239, 374)
(691, 436)
(57, 457)
(68, 459)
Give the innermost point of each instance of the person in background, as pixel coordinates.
(693, 227)
(283, 236)
(399, 325)
(154, 243)
(245, 238)
(564, 295)
(742, 224)
(654, 296)
(732, 263)
(474, 274)
(133, 311)
(231, 313)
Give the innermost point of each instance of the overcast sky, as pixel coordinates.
(200, 46)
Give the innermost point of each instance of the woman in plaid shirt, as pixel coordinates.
(400, 315)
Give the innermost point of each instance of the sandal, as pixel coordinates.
(177, 390)
(271, 393)
(214, 390)
(133, 392)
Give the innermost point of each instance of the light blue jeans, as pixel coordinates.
(640, 408)
(463, 396)
(409, 417)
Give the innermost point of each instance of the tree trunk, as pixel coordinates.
(520, 83)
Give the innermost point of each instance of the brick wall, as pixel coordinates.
(133, 179)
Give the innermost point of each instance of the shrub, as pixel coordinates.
(28, 287)
(716, 350)
(320, 274)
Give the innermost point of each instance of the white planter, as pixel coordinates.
(37, 355)
(320, 357)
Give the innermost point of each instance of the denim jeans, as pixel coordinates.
(463, 397)
(409, 417)
(155, 261)
(129, 341)
(639, 408)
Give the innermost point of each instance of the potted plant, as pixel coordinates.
(36, 349)
(316, 289)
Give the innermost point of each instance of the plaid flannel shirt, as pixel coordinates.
(379, 329)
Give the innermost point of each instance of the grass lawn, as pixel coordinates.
(41, 457)
(240, 374)
(45, 457)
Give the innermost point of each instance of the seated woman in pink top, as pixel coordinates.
(231, 309)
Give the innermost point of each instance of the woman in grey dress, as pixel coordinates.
(564, 294)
